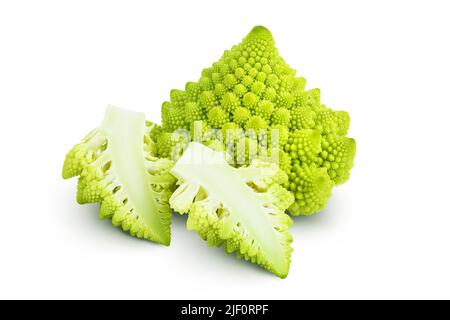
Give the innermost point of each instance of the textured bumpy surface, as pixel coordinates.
(242, 209)
(117, 168)
(252, 88)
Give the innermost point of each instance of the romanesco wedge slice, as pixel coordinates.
(242, 209)
(118, 169)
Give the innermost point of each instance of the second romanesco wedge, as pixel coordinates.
(242, 209)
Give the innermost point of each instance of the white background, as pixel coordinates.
(384, 234)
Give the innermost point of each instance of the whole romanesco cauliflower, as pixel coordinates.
(251, 92)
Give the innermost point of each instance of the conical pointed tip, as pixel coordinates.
(166, 243)
(165, 240)
(260, 32)
(65, 174)
(283, 272)
(352, 143)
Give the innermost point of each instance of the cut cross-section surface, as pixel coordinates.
(234, 207)
(118, 169)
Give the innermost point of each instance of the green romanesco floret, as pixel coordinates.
(217, 117)
(302, 118)
(256, 123)
(240, 209)
(173, 117)
(117, 168)
(304, 146)
(337, 157)
(250, 101)
(342, 122)
(171, 145)
(207, 100)
(178, 97)
(254, 88)
(193, 112)
(229, 102)
(326, 121)
(311, 187)
(241, 115)
(282, 116)
(264, 109)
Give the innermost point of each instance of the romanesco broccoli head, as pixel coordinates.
(252, 87)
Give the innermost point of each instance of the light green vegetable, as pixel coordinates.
(252, 88)
(118, 169)
(241, 209)
(263, 146)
